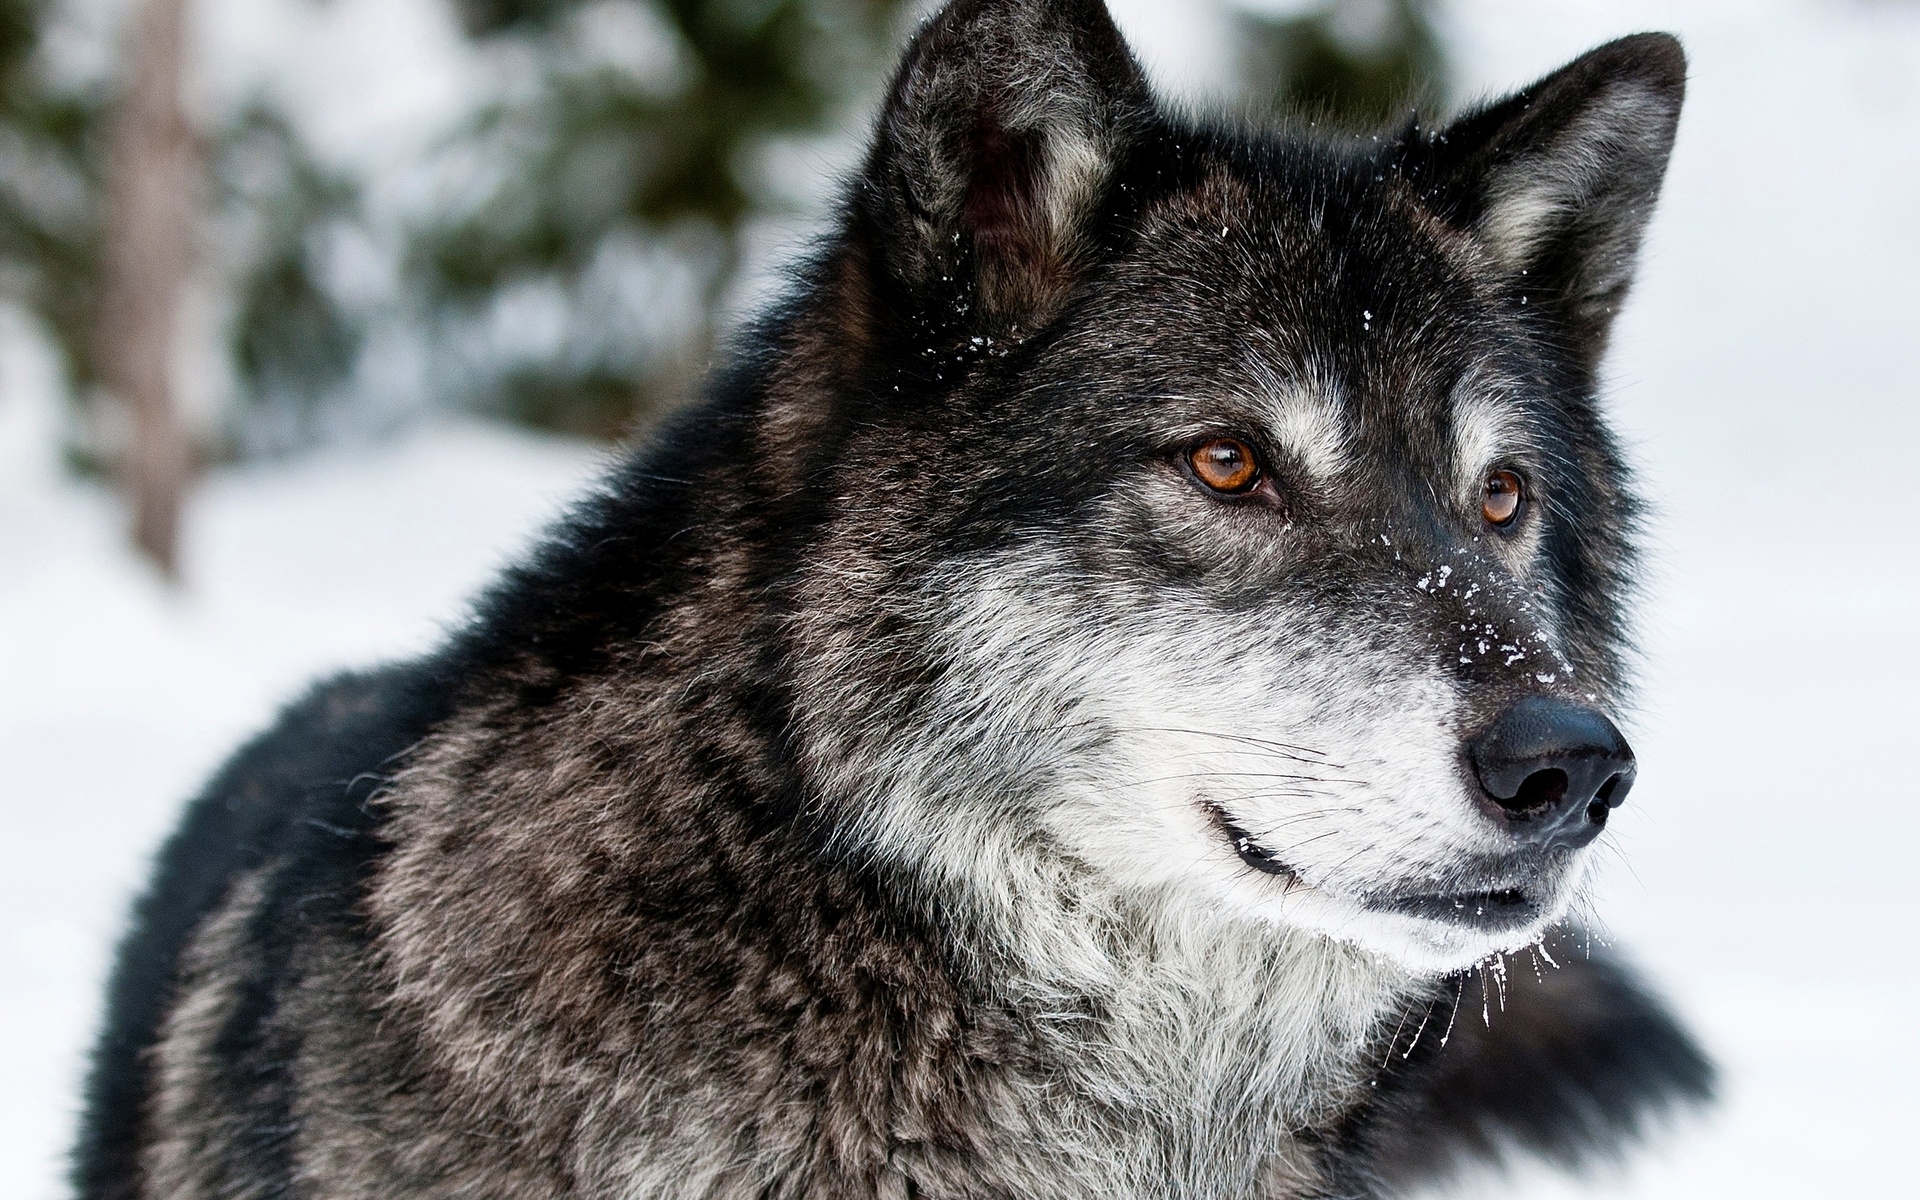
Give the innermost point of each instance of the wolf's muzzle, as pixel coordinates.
(1553, 771)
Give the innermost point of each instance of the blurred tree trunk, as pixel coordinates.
(153, 191)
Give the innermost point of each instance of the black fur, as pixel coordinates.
(594, 901)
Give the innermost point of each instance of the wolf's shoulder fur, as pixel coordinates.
(295, 802)
(1063, 718)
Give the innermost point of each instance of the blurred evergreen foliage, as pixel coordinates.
(633, 152)
(294, 342)
(50, 141)
(1353, 64)
(291, 343)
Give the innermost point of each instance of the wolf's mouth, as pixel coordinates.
(1494, 910)
(1247, 846)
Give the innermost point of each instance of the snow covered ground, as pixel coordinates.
(1767, 375)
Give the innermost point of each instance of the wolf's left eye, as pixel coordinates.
(1226, 465)
(1500, 502)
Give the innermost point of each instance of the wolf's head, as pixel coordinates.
(1221, 514)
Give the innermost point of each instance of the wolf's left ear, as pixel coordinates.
(998, 141)
(1558, 180)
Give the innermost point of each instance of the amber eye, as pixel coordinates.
(1225, 465)
(1500, 503)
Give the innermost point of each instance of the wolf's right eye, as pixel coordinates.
(1225, 465)
(1500, 502)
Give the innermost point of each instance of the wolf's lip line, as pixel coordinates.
(1490, 906)
(1495, 908)
(1248, 847)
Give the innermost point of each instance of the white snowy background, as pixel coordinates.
(1766, 376)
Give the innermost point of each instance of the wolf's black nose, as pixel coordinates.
(1553, 770)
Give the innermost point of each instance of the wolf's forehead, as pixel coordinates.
(1363, 277)
(1342, 324)
(1325, 428)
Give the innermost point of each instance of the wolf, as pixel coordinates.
(1119, 661)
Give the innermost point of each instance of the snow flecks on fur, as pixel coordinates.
(1108, 720)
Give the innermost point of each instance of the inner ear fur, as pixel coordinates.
(1558, 180)
(999, 139)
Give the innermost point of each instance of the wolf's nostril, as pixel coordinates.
(1611, 793)
(1538, 792)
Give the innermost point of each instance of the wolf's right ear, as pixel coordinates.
(1558, 180)
(998, 141)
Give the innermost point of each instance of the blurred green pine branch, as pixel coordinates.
(1351, 64)
(636, 143)
(50, 181)
(293, 341)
